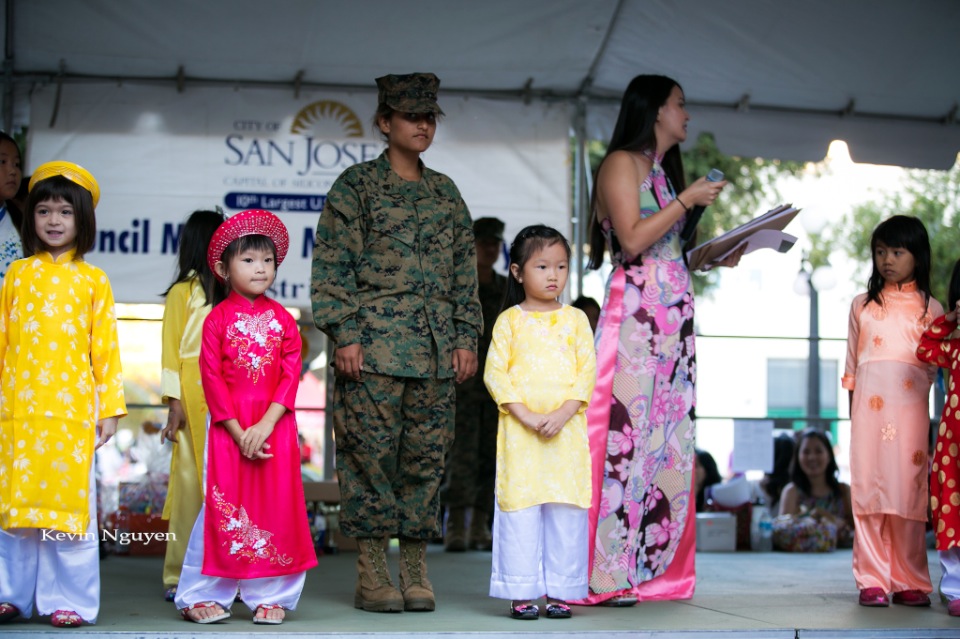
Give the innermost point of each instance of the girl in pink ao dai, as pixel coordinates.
(252, 531)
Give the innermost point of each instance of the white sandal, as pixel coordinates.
(267, 620)
(185, 612)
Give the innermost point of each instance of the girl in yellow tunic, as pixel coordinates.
(62, 394)
(188, 302)
(540, 371)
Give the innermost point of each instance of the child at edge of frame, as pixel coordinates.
(62, 395)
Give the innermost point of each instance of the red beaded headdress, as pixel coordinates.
(250, 222)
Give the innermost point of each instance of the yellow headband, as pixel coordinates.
(73, 172)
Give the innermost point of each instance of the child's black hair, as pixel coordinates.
(906, 232)
(239, 245)
(953, 294)
(584, 302)
(192, 254)
(529, 241)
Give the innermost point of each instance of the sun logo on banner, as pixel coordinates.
(327, 118)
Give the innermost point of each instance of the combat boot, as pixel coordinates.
(455, 538)
(375, 591)
(416, 588)
(480, 538)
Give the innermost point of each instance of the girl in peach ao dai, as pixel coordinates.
(890, 417)
(540, 371)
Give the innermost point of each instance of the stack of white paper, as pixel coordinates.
(765, 231)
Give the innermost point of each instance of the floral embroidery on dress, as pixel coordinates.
(888, 432)
(246, 539)
(876, 402)
(256, 338)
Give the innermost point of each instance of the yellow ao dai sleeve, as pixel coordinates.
(541, 360)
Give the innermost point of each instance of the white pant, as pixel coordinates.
(541, 550)
(54, 574)
(195, 587)
(950, 582)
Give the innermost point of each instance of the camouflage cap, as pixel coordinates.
(411, 93)
(488, 228)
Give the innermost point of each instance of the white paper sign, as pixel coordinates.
(752, 445)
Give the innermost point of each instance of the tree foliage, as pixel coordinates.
(931, 196)
(753, 181)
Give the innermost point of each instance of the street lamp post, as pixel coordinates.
(806, 285)
(811, 281)
(813, 359)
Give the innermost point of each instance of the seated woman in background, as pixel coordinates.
(706, 474)
(815, 507)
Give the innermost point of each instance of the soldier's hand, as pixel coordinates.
(348, 361)
(464, 364)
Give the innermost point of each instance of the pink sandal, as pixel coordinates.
(185, 612)
(264, 619)
(65, 619)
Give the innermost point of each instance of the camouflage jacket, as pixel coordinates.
(394, 269)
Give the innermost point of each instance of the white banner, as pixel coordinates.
(159, 155)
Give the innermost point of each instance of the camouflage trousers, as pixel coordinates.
(392, 435)
(472, 462)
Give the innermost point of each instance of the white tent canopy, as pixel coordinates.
(769, 79)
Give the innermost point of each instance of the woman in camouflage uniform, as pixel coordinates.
(394, 286)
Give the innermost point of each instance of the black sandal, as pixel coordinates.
(558, 610)
(525, 611)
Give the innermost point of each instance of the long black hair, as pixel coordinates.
(529, 241)
(773, 482)
(192, 255)
(906, 232)
(799, 478)
(712, 476)
(635, 131)
(953, 294)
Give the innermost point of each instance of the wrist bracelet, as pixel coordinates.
(685, 207)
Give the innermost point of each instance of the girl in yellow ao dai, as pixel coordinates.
(62, 394)
(540, 371)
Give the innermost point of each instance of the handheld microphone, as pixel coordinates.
(693, 218)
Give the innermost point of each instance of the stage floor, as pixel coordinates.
(770, 595)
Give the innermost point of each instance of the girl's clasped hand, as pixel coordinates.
(544, 424)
